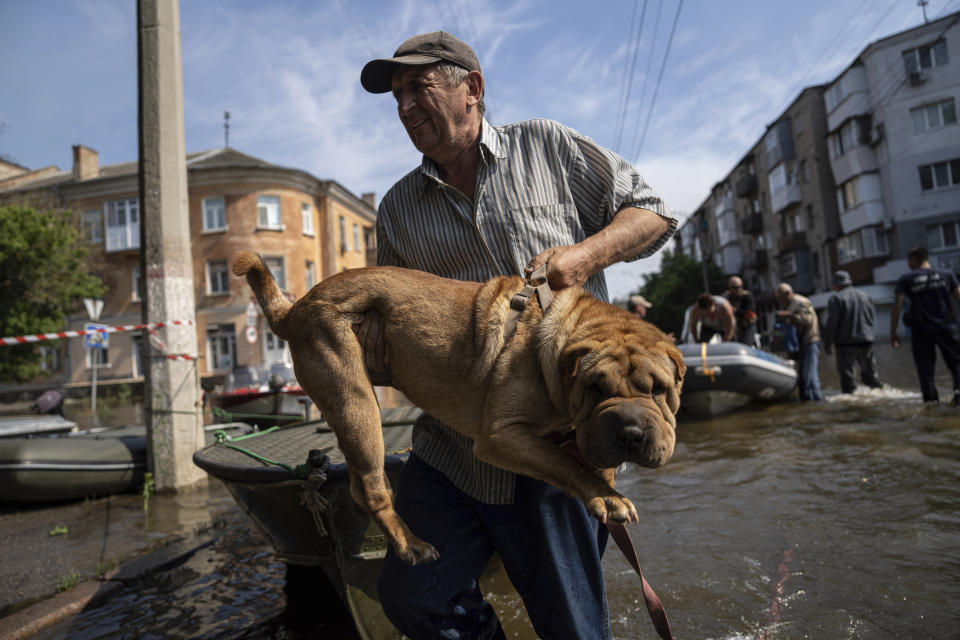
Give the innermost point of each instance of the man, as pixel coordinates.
(638, 305)
(849, 326)
(744, 311)
(798, 311)
(488, 201)
(932, 321)
(715, 316)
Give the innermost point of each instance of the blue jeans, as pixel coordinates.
(808, 377)
(549, 544)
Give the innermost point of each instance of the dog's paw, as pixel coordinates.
(612, 507)
(418, 551)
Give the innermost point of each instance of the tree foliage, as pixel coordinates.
(43, 276)
(675, 287)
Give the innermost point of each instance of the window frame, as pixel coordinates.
(263, 221)
(306, 219)
(279, 274)
(220, 214)
(950, 170)
(92, 222)
(123, 236)
(218, 278)
(221, 342)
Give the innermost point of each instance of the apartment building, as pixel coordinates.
(850, 176)
(305, 228)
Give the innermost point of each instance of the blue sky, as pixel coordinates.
(288, 72)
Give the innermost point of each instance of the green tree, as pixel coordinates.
(43, 276)
(675, 287)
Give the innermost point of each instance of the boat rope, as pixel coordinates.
(229, 416)
(705, 370)
(300, 471)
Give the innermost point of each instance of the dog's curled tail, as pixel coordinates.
(274, 304)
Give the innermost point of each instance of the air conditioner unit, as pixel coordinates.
(917, 77)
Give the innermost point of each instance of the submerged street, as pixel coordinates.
(833, 520)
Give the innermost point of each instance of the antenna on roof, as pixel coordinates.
(226, 128)
(923, 5)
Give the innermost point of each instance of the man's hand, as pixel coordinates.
(566, 266)
(370, 334)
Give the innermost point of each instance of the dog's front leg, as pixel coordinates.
(513, 445)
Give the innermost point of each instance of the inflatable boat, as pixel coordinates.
(69, 466)
(725, 376)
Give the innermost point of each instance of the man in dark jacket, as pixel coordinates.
(744, 311)
(932, 321)
(849, 326)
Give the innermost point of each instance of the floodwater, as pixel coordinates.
(836, 520)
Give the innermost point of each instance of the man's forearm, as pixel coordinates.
(630, 232)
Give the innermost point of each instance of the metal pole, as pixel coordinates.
(93, 389)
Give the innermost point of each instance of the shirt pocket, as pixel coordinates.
(536, 228)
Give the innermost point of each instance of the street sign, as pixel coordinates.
(95, 339)
(251, 334)
(251, 314)
(94, 307)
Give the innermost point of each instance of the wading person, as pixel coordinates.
(715, 317)
(932, 321)
(798, 311)
(850, 326)
(638, 305)
(488, 201)
(744, 311)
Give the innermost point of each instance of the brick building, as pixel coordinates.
(305, 228)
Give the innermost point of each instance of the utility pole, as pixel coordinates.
(171, 391)
(226, 128)
(923, 6)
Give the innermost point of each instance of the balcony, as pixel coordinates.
(747, 187)
(758, 260)
(792, 242)
(752, 224)
(784, 197)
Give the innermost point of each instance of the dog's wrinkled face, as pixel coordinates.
(624, 393)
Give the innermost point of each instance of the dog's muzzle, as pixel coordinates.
(629, 432)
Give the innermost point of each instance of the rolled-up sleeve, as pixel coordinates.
(603, 183)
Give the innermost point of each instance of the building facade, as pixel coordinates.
(305, 228)
(850, 176)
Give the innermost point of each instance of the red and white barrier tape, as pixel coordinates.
(14, 340)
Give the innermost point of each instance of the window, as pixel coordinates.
(221, 346)
(218, 278)
(934, 116)
(306, 215)
(311, 274)
(874, 242)
(93, 227)
(276, 268)
(804, 171)
(123, 224)
(811, 220)
(788, 265)
(136, 292)
(268, 212)
(835, 95)
(940, 175)
(925, 57)
(848, 194)
(49, 358)
(795, 222)
(848, 248)
(369, 238)
(357, 245)
(852, 133)
(214, 214)
(344, 247)
(943, 236)
(98, 357)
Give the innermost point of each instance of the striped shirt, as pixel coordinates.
(539, 185)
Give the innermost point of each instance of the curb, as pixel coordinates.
(91, 593)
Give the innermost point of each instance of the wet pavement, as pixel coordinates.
(832, 520)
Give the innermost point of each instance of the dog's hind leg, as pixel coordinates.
(329, 366)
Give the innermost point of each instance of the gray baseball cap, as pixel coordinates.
(427, 48)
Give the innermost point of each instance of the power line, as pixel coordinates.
(656, 90)
(646, 75)
(625, 97)
(837, 42)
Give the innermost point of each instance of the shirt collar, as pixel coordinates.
(490, 148)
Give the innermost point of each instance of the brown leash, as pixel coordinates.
(620, 534)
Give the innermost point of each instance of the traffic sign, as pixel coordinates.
(251, 334)
(95, 339)
(94, 307)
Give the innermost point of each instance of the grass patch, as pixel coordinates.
(68, 581)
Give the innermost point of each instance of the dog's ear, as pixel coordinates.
(674, 354)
